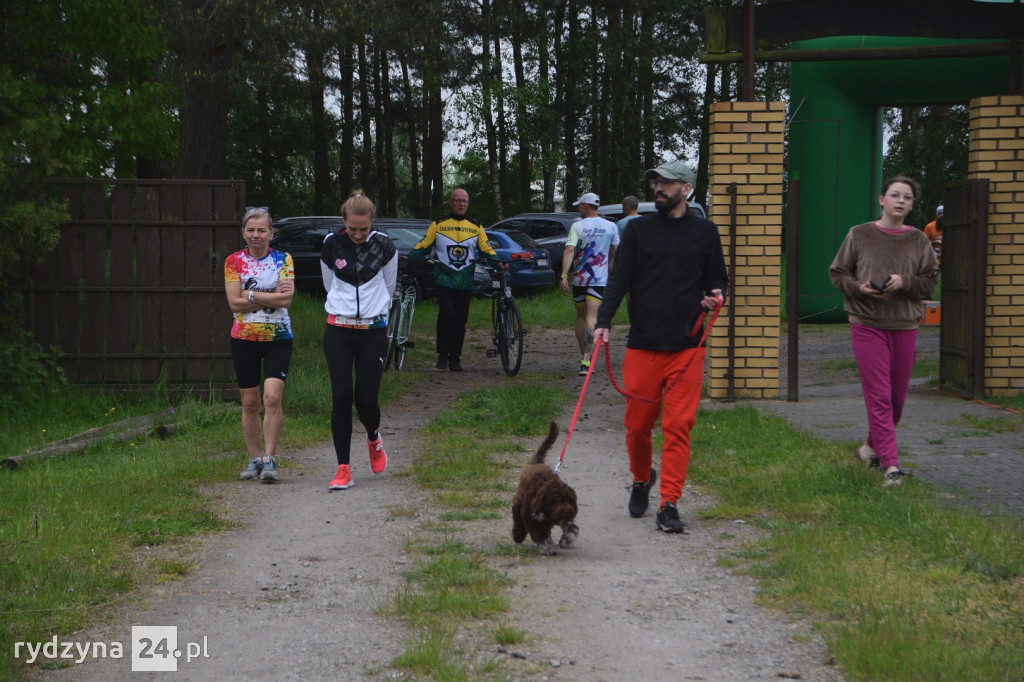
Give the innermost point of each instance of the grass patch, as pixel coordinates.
(470, 452)
(904, 588)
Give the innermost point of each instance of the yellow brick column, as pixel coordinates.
(747, 140)
(996, 152)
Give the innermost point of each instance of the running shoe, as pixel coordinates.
(668, 519)
(342, 478)
(894, 478)
(867, 454)
(584, 367)
(640, 496)
(269, 472)
(378, 458)
(253, 469)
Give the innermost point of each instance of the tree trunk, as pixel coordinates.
(316, 86)
(568, 71)
(645, 84)
(366, 176)
(522, 125)
(207, 50)
(346, 156)
(266, 161)
(486, 80)
(391, 205)
(379, 174)
(417, 207)
(700, 194)
(547, 136)
(502, 122)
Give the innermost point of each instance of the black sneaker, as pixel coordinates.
(454, 365)
(442, 363)
(640, 495)
(668, 519)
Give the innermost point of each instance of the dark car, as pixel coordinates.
(303, 238)
(529, 265)
(549, 230)
(614, 212)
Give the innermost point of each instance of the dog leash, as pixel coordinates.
(679, 374)
(579, 404)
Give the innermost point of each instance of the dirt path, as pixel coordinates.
(295, 590)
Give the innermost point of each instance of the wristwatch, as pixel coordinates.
(252, 298)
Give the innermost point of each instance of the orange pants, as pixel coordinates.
(645, 373)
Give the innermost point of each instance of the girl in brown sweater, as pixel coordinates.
(884, 269)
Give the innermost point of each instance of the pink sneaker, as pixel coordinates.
(342, 478)
(378, 458)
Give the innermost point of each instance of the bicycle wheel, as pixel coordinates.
(403, 325)
(393, 328)
(510, 338)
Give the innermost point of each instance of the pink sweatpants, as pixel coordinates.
(885, 359)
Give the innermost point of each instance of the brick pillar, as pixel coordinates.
(996, 152)
(747, 140)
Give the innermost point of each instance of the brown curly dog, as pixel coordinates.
(542, 501)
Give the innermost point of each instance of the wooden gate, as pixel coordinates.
(134, 291)
(964, 245)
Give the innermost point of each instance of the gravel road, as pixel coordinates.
(295, 590)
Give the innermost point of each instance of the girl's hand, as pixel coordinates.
(895, 283)
(869, 291)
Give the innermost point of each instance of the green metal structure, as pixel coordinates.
(835, 140)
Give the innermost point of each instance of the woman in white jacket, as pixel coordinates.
(360, 268)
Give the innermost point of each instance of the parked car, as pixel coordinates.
(549, 230)
(529, 265)
(614, 212)
(303, 238)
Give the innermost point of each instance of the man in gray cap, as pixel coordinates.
(673, 274)
(596, 239)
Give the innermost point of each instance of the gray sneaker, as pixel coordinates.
(269, 473)
(252, 471)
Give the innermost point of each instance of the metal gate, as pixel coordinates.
(964, 245)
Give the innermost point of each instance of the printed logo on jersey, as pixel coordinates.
(340, 263)
(458, 255)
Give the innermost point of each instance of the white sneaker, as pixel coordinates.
(867, 454)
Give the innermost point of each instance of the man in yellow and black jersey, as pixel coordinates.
(456, 241)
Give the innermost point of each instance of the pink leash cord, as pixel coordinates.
(579, 404)
(678, 375)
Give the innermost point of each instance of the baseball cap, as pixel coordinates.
(588, 198)
(674, 170)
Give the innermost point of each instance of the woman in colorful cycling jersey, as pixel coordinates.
(259, 283)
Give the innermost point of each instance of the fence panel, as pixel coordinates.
(134, 290)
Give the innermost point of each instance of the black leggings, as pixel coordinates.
(452, 313)
(363, 349)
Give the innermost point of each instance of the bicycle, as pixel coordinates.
(403, 305)
(506, 323)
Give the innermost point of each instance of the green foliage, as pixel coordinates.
(29, 374)
(928, 144)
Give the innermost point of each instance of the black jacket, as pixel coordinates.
(667, 265)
